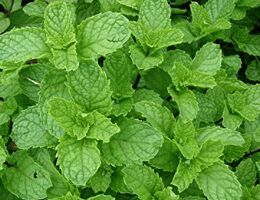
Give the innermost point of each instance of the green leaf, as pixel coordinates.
(167, 157)
(25, 173)
(246, 173)
(230, 120)
(142, 180)
(253, 71)
(225, 135)
(52, 87)
(136, 142)
(29, 43)
(187, 103)
(112, 35)
(155, 14)
(90, 88)
(102, 128)
(123, 107)
(164, 38)
(61, 186)
(65, 58)
(65, 113)
(29, 131)
(185, 138)
(100, 182)
(35, 8)
(158, 116)
(30, 79)
(239, 104)
(4, 22)
(253, 97)
(166, 194)
(208, 59)
(158, 80)
(79, 160)
(220, 8)
(247, 42)
(144, 94)
(185, 175)
(209, 153)
(214, 181)
(58, 25)
(142, 60)
(119, 68)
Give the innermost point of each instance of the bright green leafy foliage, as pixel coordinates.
(79, 159)
(129, 99)
(24, 173)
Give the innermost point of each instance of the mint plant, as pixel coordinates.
(129, 99)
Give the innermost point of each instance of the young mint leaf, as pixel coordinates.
(119, 69)
(238, 104)
(65, 113)
(253, 71)
(123, 107)
(188, 170)
(214, 181)
(142, 180)
(35, 8)
(79, 160)
(246, 173)
(166, 194)
(155, 14)
(61, 186)
(29, 43)
(52, 88)
(167, 157)
(58, 25)
(25, 173)
(143, 61)
(184, 175)
(163, 122)
(112, 35)
(29, 131)
(101, 180)
(184, 137)
(97, 95)
(136, 142)
(187, 103)
(65, 58)
(208, 59)
(225, 135)
(220, 8)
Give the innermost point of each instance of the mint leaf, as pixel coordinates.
(79, 160)
(136, 142)
(208, 59)
(24, 173)
(214, 180)
(65, 58)
(225, 135)
(25, 40)
(119, 69)
(142, 180)
(113, 34)
(187, 103)
(29, 130)
(98, 95)
(149, 110)
(58, 25)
